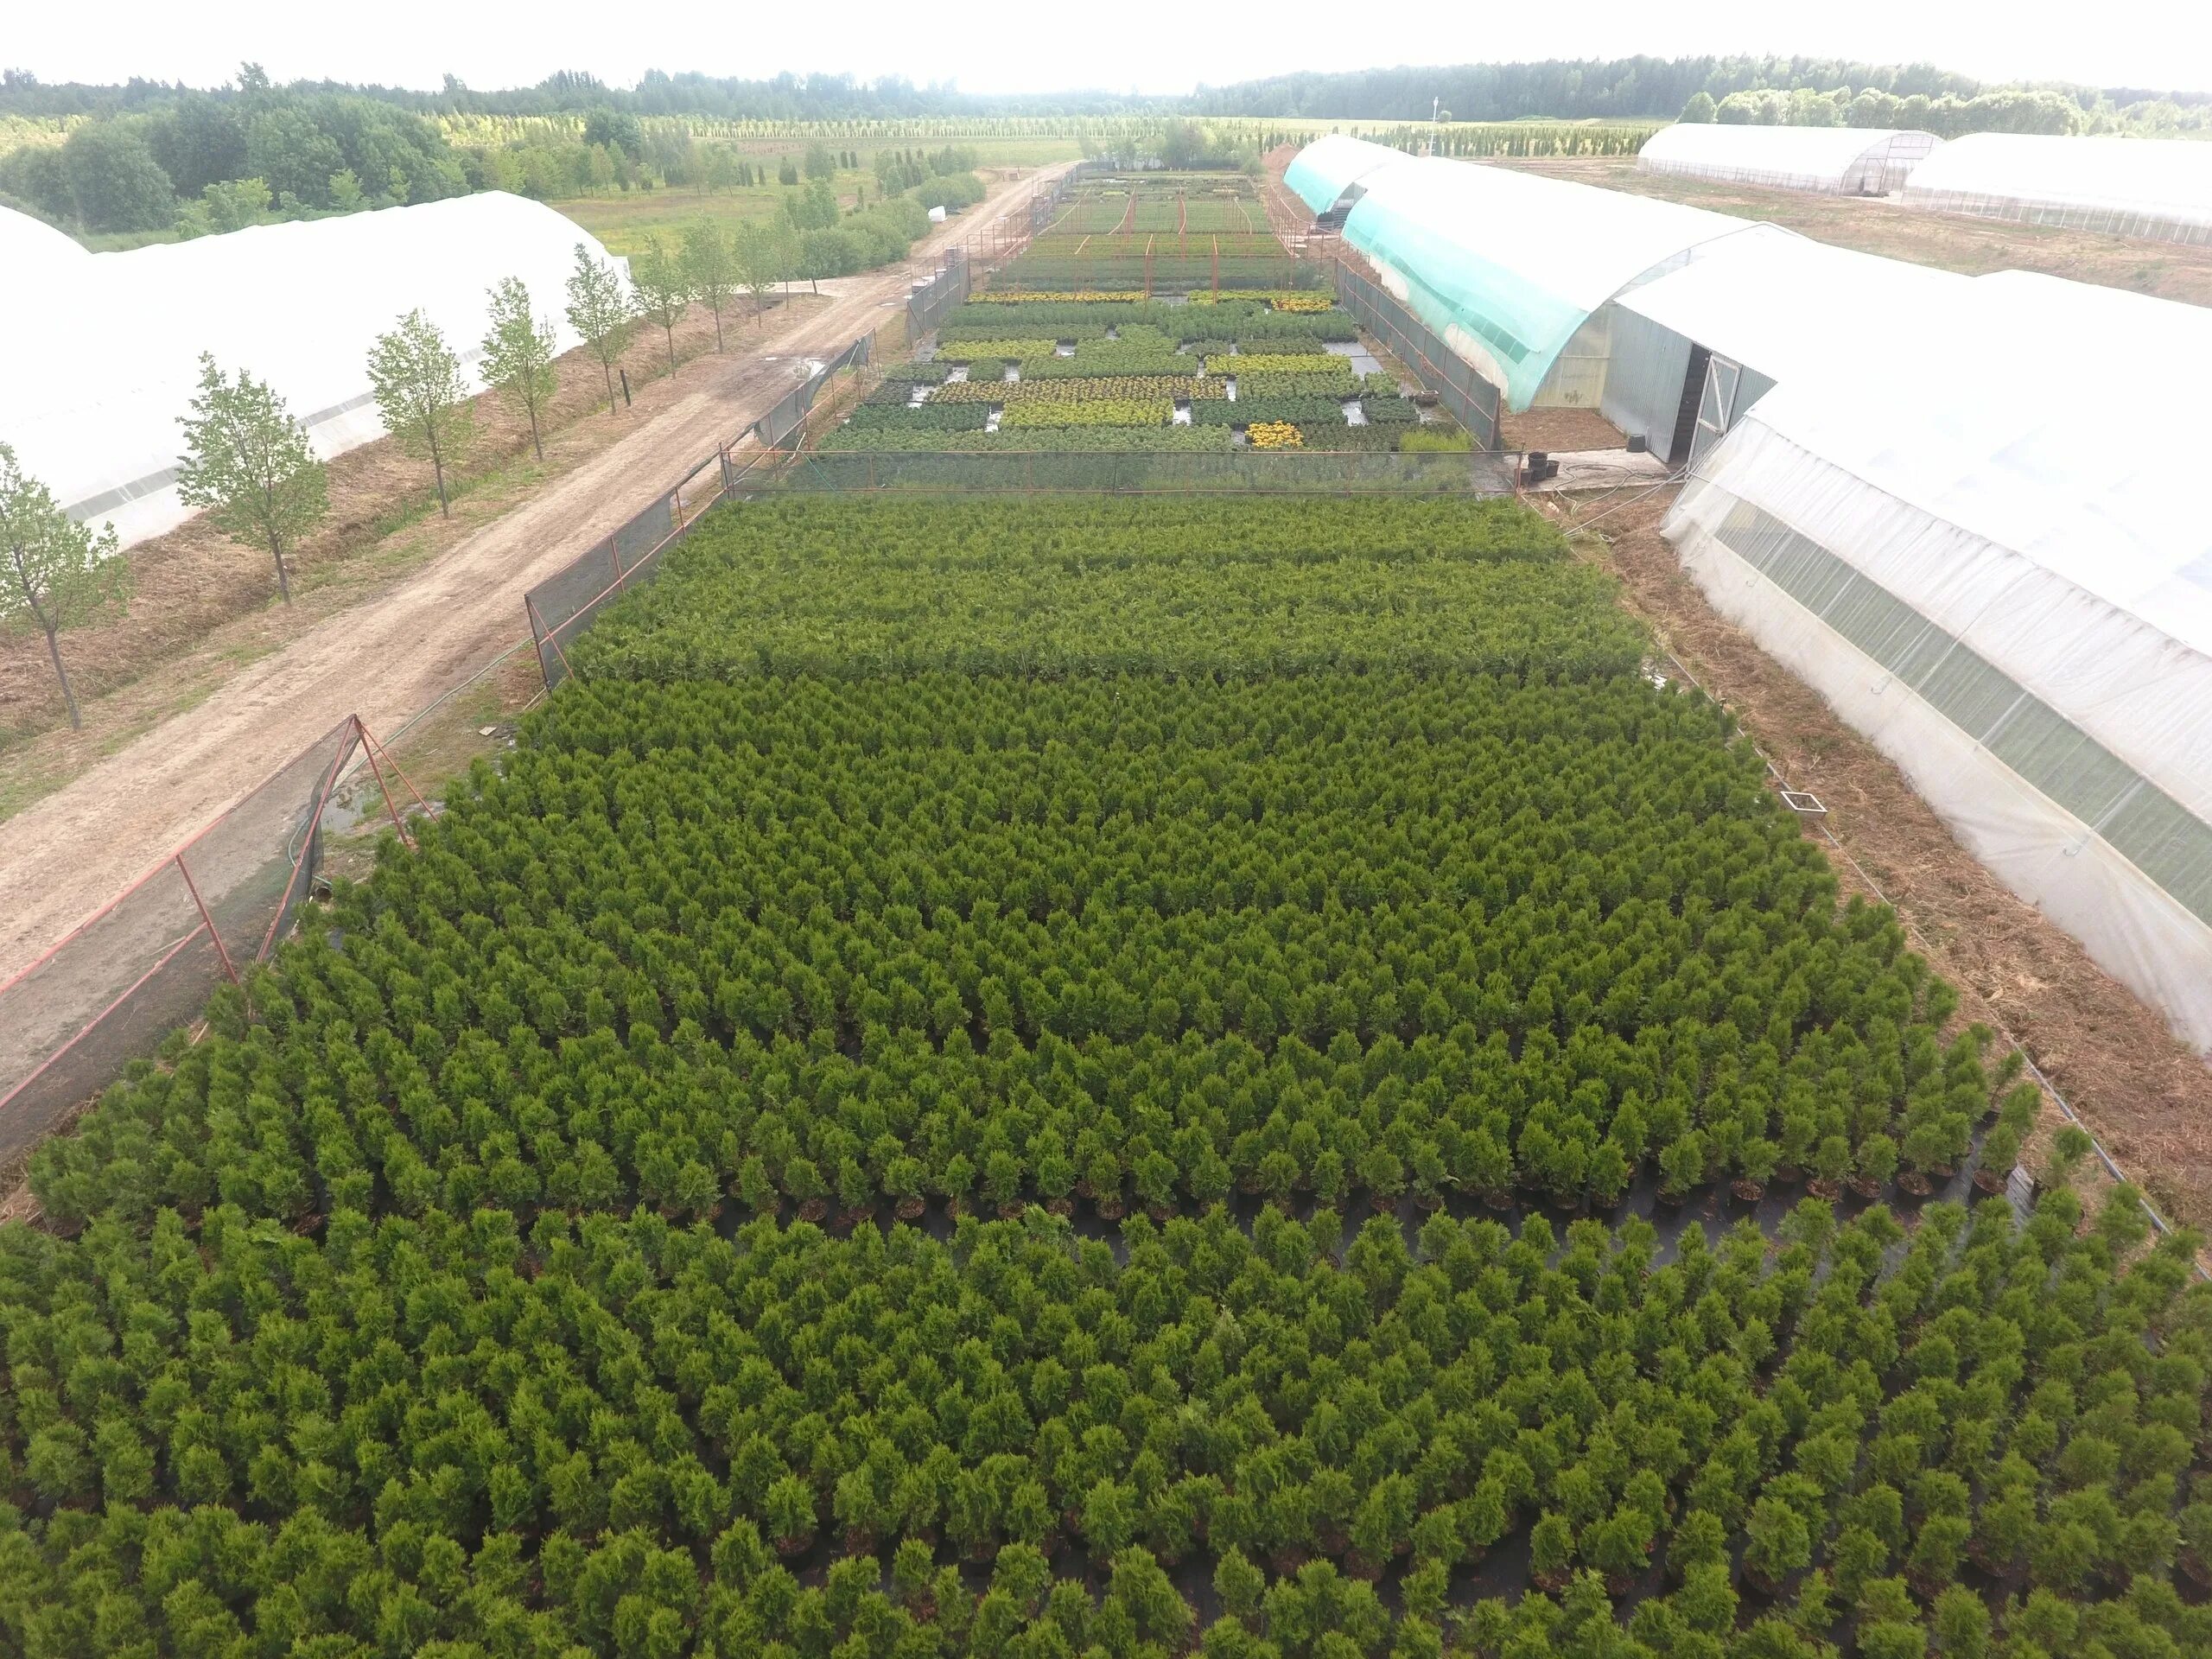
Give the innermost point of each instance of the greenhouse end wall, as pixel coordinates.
(1643, 382)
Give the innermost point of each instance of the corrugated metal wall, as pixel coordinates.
(1643, 385)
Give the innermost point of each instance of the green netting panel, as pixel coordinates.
(1518, 328)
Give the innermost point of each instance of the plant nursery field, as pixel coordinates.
(1154, 232)
(1084, 1075)
(1039, 372)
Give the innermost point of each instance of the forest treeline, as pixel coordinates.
(1658, 89)
(200, 162)
(1568, 89)
(147, 156)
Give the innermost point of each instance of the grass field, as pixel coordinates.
(623, 221)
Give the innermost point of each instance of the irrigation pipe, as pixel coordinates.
(1912, 930)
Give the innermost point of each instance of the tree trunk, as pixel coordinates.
(68, 695)
(535, 442)
(53, 646)
(718, 328)
(283, 586)
(438, 466)
(606, 365)
(670, 331)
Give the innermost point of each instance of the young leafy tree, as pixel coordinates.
(422, 395)
(248, 462)
(600, 309)
(764, 254)
(58, 574)
(518, 353)
(711, 268)
(663, 289)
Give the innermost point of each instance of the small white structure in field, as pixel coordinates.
(1832, 160)
(2159, 188)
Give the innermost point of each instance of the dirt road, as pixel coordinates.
(387, 657)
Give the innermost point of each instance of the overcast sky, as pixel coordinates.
(1028, 48)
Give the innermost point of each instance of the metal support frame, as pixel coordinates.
(376, 748)
(208, 921)
(369, 748)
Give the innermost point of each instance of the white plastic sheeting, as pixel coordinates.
(1847, 161)
(1507, 266)
(32, 252)
(115, 356)
(2007, 586)
(2155, 188)
(1321, 173)
(1779, 302)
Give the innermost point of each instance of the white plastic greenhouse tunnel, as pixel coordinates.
(2003, 580)
(1835, 161)
(2157, 188)
(115, 353)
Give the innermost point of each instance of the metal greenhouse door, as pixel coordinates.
(1717, 408)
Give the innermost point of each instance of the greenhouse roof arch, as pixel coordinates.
(1506, 266)
(29, 246)
(1850, 161)
(1321, 173)
(2153, 187)
(297, 304)
(2008, 589)
(1783, 304)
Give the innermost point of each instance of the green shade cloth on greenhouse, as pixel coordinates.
(1326, 168)
(1505, 266)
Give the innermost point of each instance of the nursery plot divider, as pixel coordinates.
(928, 306)
(1272, 471)
(1455, 383)
(562, 606)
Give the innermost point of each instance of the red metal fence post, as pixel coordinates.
(552, 639)
(385, 749)
(369, 747)
(200, 904)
